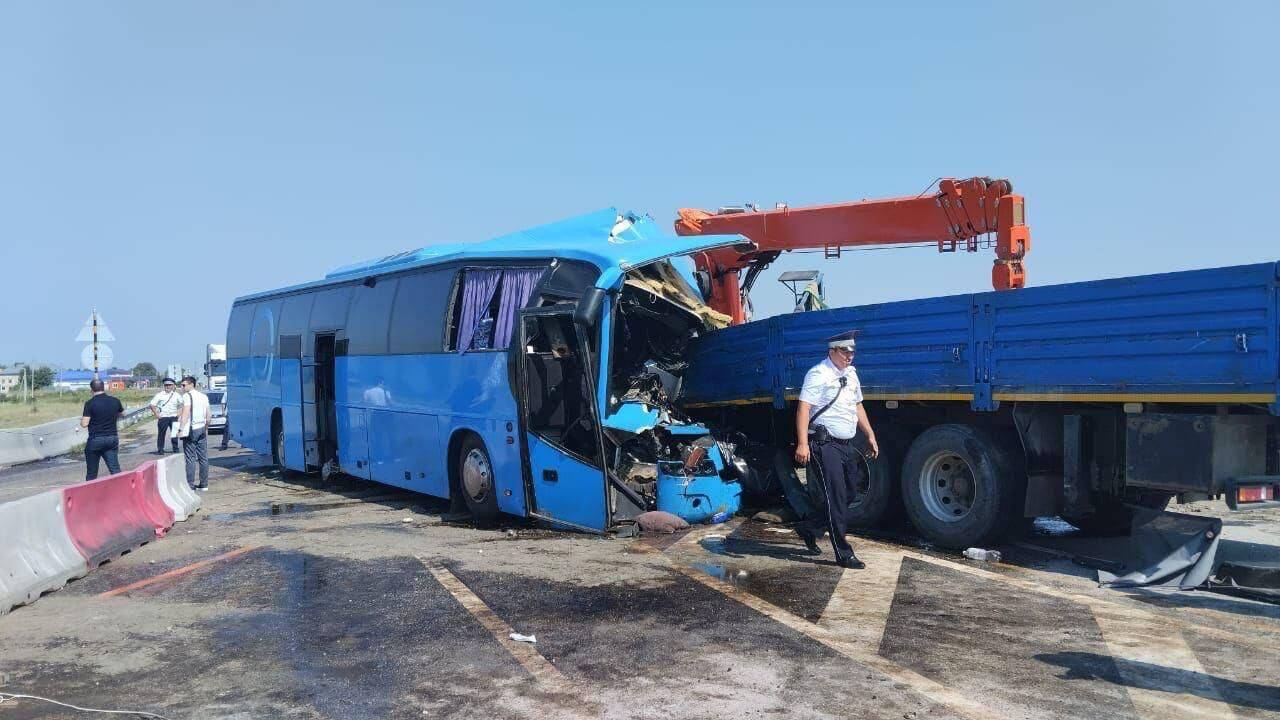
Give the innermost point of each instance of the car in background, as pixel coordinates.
(217, 411)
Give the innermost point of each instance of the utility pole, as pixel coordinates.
(95, 343)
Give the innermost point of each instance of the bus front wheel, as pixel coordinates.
(476, 481)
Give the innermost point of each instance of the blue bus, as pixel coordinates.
(534, 374)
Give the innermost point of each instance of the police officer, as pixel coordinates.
(827, 420)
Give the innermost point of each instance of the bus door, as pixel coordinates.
(564, 452)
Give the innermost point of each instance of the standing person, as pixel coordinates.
(226, 425)
(193, 428)
(165, 406)
(828, 417)
(100, 415)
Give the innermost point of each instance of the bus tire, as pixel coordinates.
(277, 443)
(960, 487)
(476, 481)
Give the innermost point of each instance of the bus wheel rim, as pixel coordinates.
(947, 487)
(477, 476)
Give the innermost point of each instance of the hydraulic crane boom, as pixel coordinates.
(959, 212)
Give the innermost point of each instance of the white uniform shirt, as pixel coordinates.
(199, 416)
(167, 403)
(821, 384)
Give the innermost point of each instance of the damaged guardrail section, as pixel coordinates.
(49, 539)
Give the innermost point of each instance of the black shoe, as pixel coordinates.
(852, 562)
(811, 543)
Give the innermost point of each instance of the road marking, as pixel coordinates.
(178, 571)
(858, 648)
(1260, 635)
(855, 650)
(859, 606)
(526, 654)
(1148, 643)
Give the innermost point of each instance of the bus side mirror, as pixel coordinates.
(590, 305)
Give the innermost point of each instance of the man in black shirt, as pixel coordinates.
(100, 415)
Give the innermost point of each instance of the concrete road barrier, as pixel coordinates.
(171, 480)
(37, 554)
(147, 495)
(106, 517)
(57, 437)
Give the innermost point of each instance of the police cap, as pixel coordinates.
(843, 340)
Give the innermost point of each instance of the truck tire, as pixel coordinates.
(876, 498)
(960, 487)
(476, 481)
(1112, 517)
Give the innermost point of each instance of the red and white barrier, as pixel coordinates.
(171, 480)
(36, 552)
(59, 535)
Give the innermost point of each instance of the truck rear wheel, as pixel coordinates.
(873, 505)
(960, 486)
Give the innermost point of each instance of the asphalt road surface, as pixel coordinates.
(288, 598)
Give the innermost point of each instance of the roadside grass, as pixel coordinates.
(51, 405)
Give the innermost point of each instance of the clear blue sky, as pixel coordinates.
(254, 145)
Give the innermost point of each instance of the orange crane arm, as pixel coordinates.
(959, 212)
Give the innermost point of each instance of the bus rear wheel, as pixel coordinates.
(960, 487)
(476, 481)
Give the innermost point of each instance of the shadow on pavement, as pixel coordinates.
(1148, 676)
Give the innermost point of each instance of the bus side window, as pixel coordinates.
(417, 319)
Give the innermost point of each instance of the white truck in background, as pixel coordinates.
(215, 367)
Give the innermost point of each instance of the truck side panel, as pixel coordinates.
(1206, 336)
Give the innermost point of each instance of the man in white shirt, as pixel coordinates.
(193, 428)
(828, 418)
(165, 406)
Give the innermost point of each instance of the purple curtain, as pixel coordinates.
(517, 286)
(477, 292)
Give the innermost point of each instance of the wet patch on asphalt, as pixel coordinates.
(774, 567)
(984, 639)
(331, 637)
(674, 637)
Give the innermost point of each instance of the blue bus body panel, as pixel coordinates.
(1203, 335)
(291, 412)
(404, 425)
(567, 489)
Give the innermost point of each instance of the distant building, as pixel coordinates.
(115, 379)
(9, 379)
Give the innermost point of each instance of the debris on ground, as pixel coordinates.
(974, 553)
(524, 638)
(778, 516)
(659, 521)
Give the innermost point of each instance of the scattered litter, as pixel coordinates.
(408, 519)
(511, 533)
(974, 553)
(742, 573)
(785, 531)
(524, 638)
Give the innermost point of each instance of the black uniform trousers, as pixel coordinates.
(834, 466)
(165, 425)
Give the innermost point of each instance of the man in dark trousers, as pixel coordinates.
(827, 420)
(100, 415)
(165, 406)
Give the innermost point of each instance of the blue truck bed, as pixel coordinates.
(1203, 336)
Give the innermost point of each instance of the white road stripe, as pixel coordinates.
(526, 654)
(859, 606)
